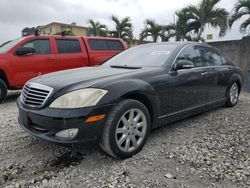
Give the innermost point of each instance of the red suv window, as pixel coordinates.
(65, 46)
(99, 44)
(41, 46)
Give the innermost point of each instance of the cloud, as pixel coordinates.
(17, 14)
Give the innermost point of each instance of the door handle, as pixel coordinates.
(203, 73)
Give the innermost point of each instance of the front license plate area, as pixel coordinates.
(23, 117)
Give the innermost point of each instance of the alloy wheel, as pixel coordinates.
(131, 130)
(234, 93)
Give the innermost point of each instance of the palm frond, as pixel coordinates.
(123, 28)
(96, 28)
(242, 4)
(241, 9)
(205, 13)
(245, 25)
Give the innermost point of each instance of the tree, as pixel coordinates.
(123, 28)
(181, 30)
(242, 8)
(29, 31)
(206, 13)
(66, 33)
(154, 30)
(97, 29)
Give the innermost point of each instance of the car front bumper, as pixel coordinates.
(45, 123)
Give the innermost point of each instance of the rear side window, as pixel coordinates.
(191, 53)
(211, 57)
(41, 46)
(114, 45)
(224, 60)
(98, 44)
(65, 46)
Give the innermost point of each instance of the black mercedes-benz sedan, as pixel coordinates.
(119, 102)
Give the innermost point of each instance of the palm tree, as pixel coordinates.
(154, 30)
(242, 8)
(66, 33)
(123, 28)
(182, 29)
(97, 29)
(206, 13)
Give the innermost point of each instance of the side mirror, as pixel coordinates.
(184, 64)
(24, 50)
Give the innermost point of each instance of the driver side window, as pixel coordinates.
(41, 46)
(191, 53)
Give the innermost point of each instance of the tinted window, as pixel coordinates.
(211, 57)
(68, 46)
(154, 55)
(191, 53)
(114, 45)
(224, 60)
(97, 44)
(41, 46)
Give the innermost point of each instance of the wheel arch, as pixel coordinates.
(144, 99)
(236, 78)
(3, 76)
(136, 89)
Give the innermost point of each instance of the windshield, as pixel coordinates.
(154, 55)
(9, 44)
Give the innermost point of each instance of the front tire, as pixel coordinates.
(3, 91)
(233, 95)
(126, 129)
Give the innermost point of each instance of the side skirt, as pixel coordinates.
(170, 118)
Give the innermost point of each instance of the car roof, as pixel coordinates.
(177, 43)
(180, 44)
(60, 36)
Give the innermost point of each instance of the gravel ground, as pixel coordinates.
(208, 150)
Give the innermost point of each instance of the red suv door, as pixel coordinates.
(26, 67)
(70, 53)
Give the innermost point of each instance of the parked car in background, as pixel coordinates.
(25, 58)
(119, 102)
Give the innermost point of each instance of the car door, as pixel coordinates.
(219, 73)
(71, 53)
(26, 67)
(187, 88)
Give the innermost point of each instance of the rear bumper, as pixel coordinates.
(47, 122)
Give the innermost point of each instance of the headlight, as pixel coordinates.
(79, 99)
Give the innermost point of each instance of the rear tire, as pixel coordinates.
(126, 130)
(233, 95)
(3, 91)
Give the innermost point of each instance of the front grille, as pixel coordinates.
(35, 95)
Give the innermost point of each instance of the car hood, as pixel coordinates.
(86, 77)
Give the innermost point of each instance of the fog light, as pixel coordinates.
(68, 133)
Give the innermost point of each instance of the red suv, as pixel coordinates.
(28, 57)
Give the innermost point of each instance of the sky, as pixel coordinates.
(17, 14)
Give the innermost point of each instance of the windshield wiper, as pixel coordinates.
(124, 67)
